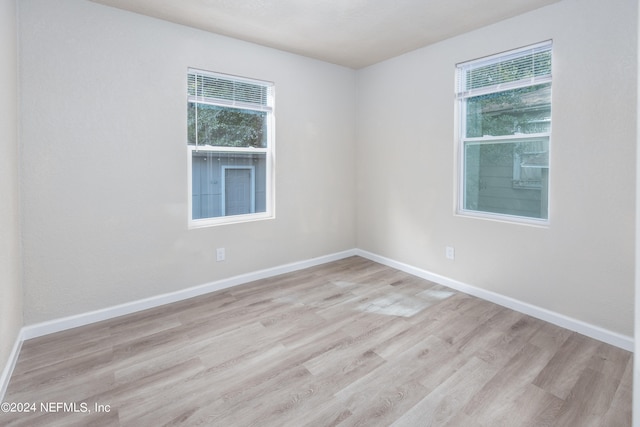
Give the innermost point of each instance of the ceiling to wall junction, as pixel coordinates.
(352, 33)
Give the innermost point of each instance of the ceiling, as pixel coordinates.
(352, 33)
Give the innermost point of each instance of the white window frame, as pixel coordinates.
(268, 151)
(462, 141)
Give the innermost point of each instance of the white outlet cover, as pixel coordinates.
(450, 252)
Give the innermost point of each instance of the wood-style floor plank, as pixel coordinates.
(348, 343)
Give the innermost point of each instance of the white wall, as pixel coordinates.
(105, 159)
(582, 265)
(10, 264)
(104, 162)
(636, 354)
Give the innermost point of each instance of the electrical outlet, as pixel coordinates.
(220, 254)
(450, 252)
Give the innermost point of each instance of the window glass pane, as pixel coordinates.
(225, 184)
(509, 178)
(518, 111)
(226, 127)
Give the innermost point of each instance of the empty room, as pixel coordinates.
(318, 213)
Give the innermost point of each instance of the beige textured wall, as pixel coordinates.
(582, 264)
(105, 158)
(10, 264)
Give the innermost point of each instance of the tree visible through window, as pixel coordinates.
(229, 134)
(505, 117)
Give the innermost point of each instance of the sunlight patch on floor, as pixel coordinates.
(396, 304)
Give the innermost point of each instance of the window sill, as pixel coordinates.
(234, 219)
(508, 219)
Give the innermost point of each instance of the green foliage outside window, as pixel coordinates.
(226, 127)
(524, 110)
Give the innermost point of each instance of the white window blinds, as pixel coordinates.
(219, 89)
(523, 67)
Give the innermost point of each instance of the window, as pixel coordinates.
(505, 127)
(230, 148)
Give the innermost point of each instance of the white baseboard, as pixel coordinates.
(596, 332)
(11, 364)
(57, 325)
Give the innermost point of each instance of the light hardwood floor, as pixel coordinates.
(349, 343)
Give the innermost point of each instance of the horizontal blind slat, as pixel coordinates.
(214, 89)
(531, 64)
(505, 86)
